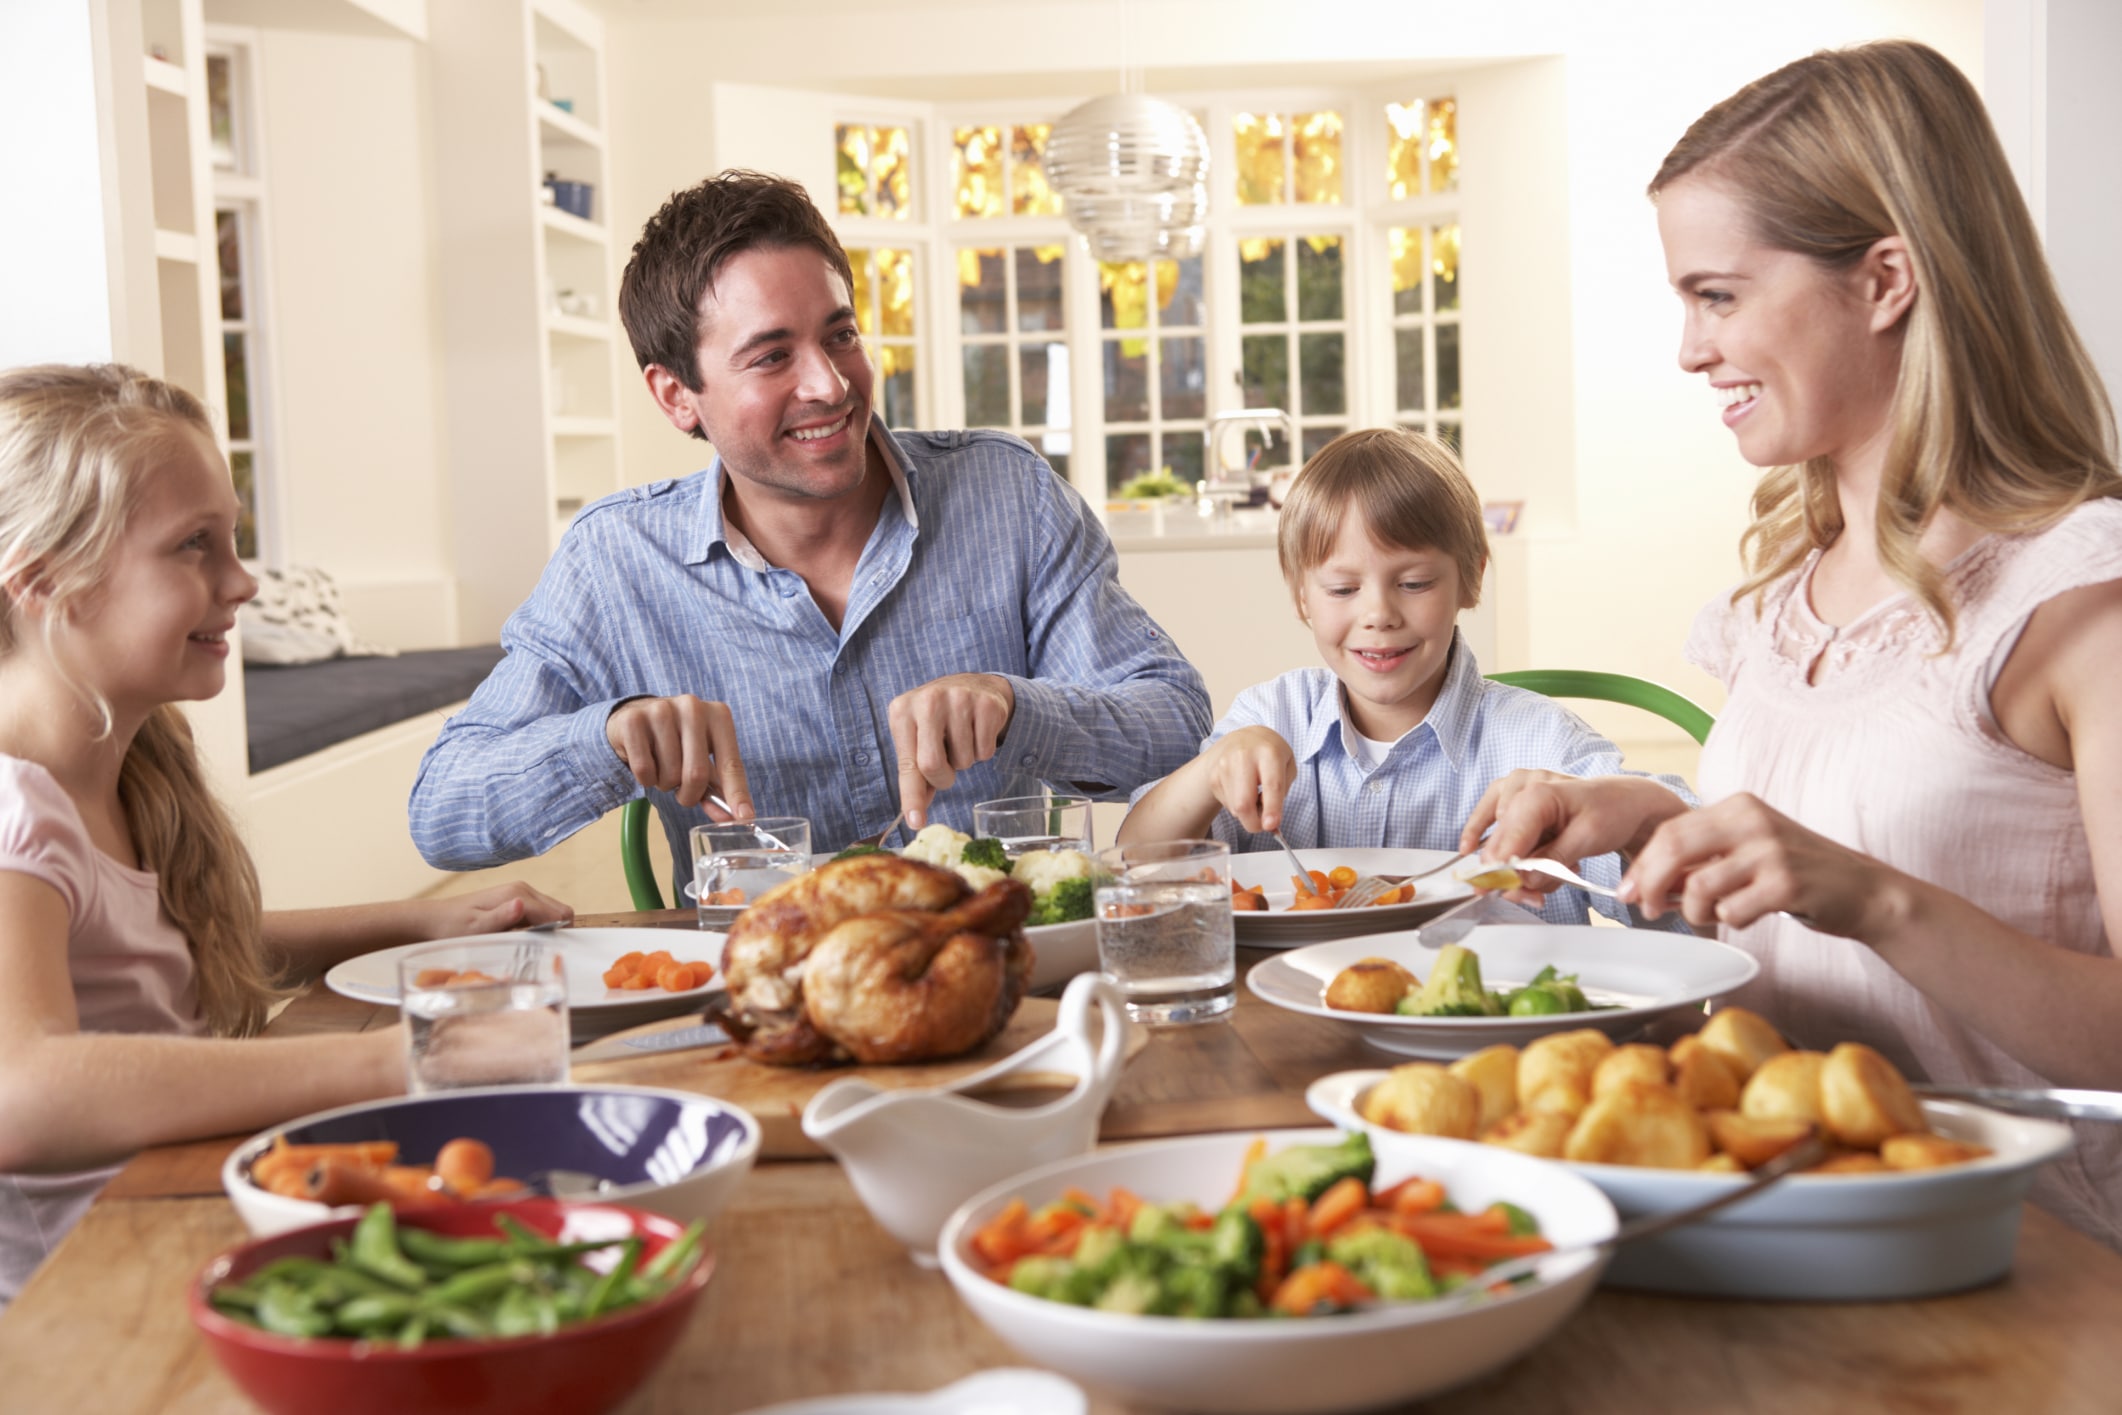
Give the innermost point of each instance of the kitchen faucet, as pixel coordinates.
(1268, 419)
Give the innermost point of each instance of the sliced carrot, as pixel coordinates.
(1449, 1235)
(1340, 876)
(1254, 1153)
(1414, 1196)
(1342, 1201)
(433, 977)
(1311, 901)
(1002, 1238)
(1122, 1205)
(630, 961)
(1319, 1284)
(1296, 1223)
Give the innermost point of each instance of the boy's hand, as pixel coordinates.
(1250, 772)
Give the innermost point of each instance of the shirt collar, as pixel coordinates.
(1450, 720)
(715, 526)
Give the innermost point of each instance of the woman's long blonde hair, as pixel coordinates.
(1998, 414)
(74, 444)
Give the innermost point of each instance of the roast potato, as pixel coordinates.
(1561, 1061)
(1638, 1061)
(1370, 985)
(1704, 1079)
(1863, 1098)
(1927, 1152)
(1785, 1087)
(1851, 1162)
(1636, 1123)
(1720, 1163)
(1743, 1038)
(1422, 1098)
(1532, 1132)
(1492, 1071)
(1753, 1140)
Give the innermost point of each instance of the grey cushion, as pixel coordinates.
(303, 708)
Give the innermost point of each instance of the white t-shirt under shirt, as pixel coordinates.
(131, 970)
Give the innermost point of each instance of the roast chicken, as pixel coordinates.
(875, 959)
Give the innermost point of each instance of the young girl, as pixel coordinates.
(1922, 748)
(130, 927)
(1394, 741)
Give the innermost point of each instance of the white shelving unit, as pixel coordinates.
(187, 337)
(530, 290)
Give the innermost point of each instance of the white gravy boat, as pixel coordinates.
(915, 1155)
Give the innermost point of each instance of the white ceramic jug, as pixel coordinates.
(915, 1155)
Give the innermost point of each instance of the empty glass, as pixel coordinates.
(1027, 823)
(1164, 929)
(735, 862)
(487, 1013)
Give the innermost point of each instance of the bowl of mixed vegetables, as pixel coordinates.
(1295, 1271)
(474, 1309)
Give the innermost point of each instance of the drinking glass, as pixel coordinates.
(1027, 823)
(486, 1013)
(734, 862)
(1164, 929)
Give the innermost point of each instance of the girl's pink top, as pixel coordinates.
(131, 970)
(1893, 751)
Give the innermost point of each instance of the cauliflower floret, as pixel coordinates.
(1041, 870)
(978, 876)
(938, 844)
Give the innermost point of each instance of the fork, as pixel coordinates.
(765, 837)
(1368, 888)
(876, 841)
(1560, 871)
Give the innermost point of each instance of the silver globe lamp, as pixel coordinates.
(1133, 173)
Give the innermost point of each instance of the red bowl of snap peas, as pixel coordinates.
(538, 1303)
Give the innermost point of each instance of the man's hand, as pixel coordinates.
(684, 746)
(943, 727)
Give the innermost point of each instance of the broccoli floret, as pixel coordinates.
(1454, 988)
(1387, 1263)
(1133, 1293)
(1056, 1279)
(987, 853)
(853, 850)
(1064, 903)
(1237, 1243)
(1307, 1171)
(1163, 1224)
(1522, 1224)
(1198, 1290)
(1098, 1251)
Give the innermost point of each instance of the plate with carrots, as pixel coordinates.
(1271, 911)
(615, 977)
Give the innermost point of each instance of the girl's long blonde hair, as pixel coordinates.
(75, 443)
(1998, 414)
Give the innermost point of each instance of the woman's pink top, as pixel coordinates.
(1894, 751)
(131, 970)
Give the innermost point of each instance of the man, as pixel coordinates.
(832, 620)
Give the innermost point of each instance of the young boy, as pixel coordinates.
(1394, 741)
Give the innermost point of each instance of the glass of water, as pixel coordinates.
(1028, 823)
(484, 1013)
(1164, 930)
(734, 862)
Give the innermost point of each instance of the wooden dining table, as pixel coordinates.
(810, 1297)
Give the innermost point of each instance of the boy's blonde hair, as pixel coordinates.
(75, 445)
(1998, 413)
(1408, 488)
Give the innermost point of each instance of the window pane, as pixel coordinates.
(1447, 366)
(976, 172)
(891, 164)
(1182, 453)
(1451, 436)
(1123, 295)
(1039, 304)
(895, 293)
(1266, 370)
(1126, 455)
(1260, 141)
(1260, 281)
(241, 468)
(1316, 438)
(228, 235)
(1126, 380)
(895, 372)
(1182, 378)
(1444, 265)
(1407, 369)
(1259, 456)
(1042, 367)
(236, 358)
(1318, 152)
(1406, 244)
(983, 300)
(1319, 277)
(851, 168)
(1058, 460)
(220, 111)
(1444, 145)
(1319, 364)
(987, 385)
(1029, 192)
(865, 300)
(1180, 301)
(1403, 149)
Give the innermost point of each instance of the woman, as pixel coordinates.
(1922, 748)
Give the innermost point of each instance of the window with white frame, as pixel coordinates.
(239, 230)
(876, 176)
(1153, 354)
(1013, 343)
(1293, 335)
(1422, 174)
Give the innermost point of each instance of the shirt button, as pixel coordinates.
(1374, 786)
(839, 667)
(861, 758)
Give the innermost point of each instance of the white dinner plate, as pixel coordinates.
(1640, 973)
(373, 977)
(1005, 1390)
(1278, 927)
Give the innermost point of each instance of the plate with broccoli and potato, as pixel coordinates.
(1623, 978)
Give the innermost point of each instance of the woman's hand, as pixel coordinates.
(1565, 818)
(506, 906)
(1249, 773)
(1739, 860)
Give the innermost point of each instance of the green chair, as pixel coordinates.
(1684, 713)
(634, 821)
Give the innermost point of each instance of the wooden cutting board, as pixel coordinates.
(776, 1095)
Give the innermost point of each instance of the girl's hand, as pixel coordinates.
(1249, 773)
(506, 906)
(1740, 860)
(1566, 818)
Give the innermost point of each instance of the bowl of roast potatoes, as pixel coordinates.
(1914, 1197)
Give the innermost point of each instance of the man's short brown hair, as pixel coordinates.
(684, 246)
(1410, 491)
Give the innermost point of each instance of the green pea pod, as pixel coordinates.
(412, 1334)
(526, 1242)
(375, 1250)
(515, 1314)
(289, 1312)
(236, 1299)
(678, 1255)
(475, 1287)
(457, 1321)
(439, 1251)
(605, 1295)
(364, 1316)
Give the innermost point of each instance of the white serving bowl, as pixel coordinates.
(1350, 1361)
(671, 1152)
(1812, 1237)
